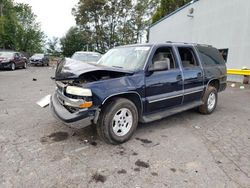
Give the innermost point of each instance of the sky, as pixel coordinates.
(54, 15)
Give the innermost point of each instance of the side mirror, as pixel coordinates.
(159, 66)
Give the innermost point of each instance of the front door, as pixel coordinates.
(192, 73)
(164, 89)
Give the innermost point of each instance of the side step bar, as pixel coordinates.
(169, 112)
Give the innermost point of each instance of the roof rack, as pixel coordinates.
(207, 45)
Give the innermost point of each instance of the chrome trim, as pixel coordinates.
(170, 97)
(68, 101)
(61, 84)
(188, 93)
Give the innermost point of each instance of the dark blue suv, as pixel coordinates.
(137, 83)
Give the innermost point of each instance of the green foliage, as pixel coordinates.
(53, 48)
(108, 23)
(166, 7)
(74, 40)
(19, 29)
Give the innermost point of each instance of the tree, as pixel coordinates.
(8, 22)
(75, 40)
(166, 7)
(113, 22)
(29, 36)
(18, 28)
(53, 46)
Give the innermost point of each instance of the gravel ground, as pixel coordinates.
(185, 150)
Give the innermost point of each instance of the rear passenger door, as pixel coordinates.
(164, 89)
(192, 73)
(18, 60)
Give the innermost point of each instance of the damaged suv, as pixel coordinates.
(137, 83)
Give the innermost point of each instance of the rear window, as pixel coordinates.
(210, 56)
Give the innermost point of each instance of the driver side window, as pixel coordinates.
(165, 54)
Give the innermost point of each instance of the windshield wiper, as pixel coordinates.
(118, 67)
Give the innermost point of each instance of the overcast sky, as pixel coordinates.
(54, 15)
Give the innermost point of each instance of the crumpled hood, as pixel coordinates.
(71, 69)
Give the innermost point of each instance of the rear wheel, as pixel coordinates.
(118, 121)
(25, 65)
(210, 99)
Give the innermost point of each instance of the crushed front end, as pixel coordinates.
(73, 105)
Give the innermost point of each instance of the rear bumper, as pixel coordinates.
(79, 119)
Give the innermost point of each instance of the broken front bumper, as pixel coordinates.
(79, 119)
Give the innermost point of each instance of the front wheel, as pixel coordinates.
(210, 99)
(118, 121)
(12, 66)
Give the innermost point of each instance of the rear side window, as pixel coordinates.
(210, 56)
(187, 57)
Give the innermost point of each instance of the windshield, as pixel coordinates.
(6, 54)
(128, 58)
(37, 56)
(86, 57)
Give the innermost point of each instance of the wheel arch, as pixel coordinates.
(132, 96)
(215, 83)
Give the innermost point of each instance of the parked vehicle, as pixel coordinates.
(138, 83)
(12, 60)
(39, 59)
(87, 57)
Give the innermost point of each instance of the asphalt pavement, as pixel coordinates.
(185, 150)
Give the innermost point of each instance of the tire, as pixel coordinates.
(209, 99)
(117, 121)
(25, 65)
(13, 66)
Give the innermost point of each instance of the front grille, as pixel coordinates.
(71, 109)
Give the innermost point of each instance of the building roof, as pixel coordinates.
(174, 12)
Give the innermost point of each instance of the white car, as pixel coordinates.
(87, 57)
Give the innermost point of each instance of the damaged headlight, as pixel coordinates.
(73, 90)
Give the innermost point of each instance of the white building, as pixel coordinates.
(224, 24)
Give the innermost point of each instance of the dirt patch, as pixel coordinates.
(93, 143)
(154, 174)
(141, 164)
(55, 137)
(1, 100)
(173, 169)
(99, 178)
(134, 153)
(122, 171)
(145, 141)
(137, 169)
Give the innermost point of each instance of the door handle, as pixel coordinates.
(179, 77)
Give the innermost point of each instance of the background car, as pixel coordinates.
(12, 60)
(39, 59)
(87, 57)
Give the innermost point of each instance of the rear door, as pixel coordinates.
(192, 73)
(18, 60)
(164, 89)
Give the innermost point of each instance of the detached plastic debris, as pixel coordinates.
(233, 85)
(242, 87)
(43, 102)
